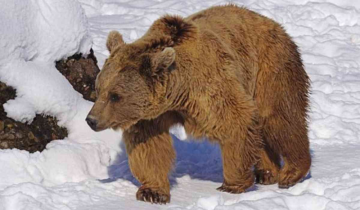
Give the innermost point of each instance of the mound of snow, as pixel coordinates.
(42, 30)
(36, 34)
(65, 175)
(39, 35)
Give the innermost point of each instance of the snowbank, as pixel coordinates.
(81, 172)
(42, 30)
(36, 34)
(39, 35)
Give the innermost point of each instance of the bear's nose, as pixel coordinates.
(91, 122)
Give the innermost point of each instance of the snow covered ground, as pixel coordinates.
(89, 170)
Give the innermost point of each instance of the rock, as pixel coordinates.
(81, 73)
(4, 144)
(19, 135)
(33, 137)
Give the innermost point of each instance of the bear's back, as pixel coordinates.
(256, 42)
(232, 23)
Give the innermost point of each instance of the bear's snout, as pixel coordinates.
(92, 122)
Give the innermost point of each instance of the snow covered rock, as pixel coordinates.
(45, 38)
(39, 33)
(31, 137)
(81, 73)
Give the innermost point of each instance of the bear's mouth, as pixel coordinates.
(99, 128)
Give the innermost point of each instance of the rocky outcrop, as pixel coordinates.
(81, 73)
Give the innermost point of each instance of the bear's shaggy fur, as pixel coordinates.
(225, 73)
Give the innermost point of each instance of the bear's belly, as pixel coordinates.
(199, 131)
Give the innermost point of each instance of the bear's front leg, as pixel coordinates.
(239, 156)
(151, 156)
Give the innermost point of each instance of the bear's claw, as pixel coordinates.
(152, 196)
(265, 177)
(290, 176)
(235, 189)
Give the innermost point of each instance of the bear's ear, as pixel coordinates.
(114, 40)
(178, 28)
(163, 60)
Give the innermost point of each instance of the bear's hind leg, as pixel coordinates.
(268, 167)
(293, 171)
(151, 156)
(291, 140)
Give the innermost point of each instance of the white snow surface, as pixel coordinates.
(89, 170)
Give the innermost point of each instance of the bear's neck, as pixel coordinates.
(182, 80)
(177, 92)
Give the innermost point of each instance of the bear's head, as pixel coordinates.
(134, 81)
(132, 84)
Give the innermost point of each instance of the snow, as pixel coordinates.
(89, 170)
(40, 35)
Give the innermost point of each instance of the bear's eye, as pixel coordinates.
(114, 97)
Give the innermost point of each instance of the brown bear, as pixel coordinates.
(225, 73)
